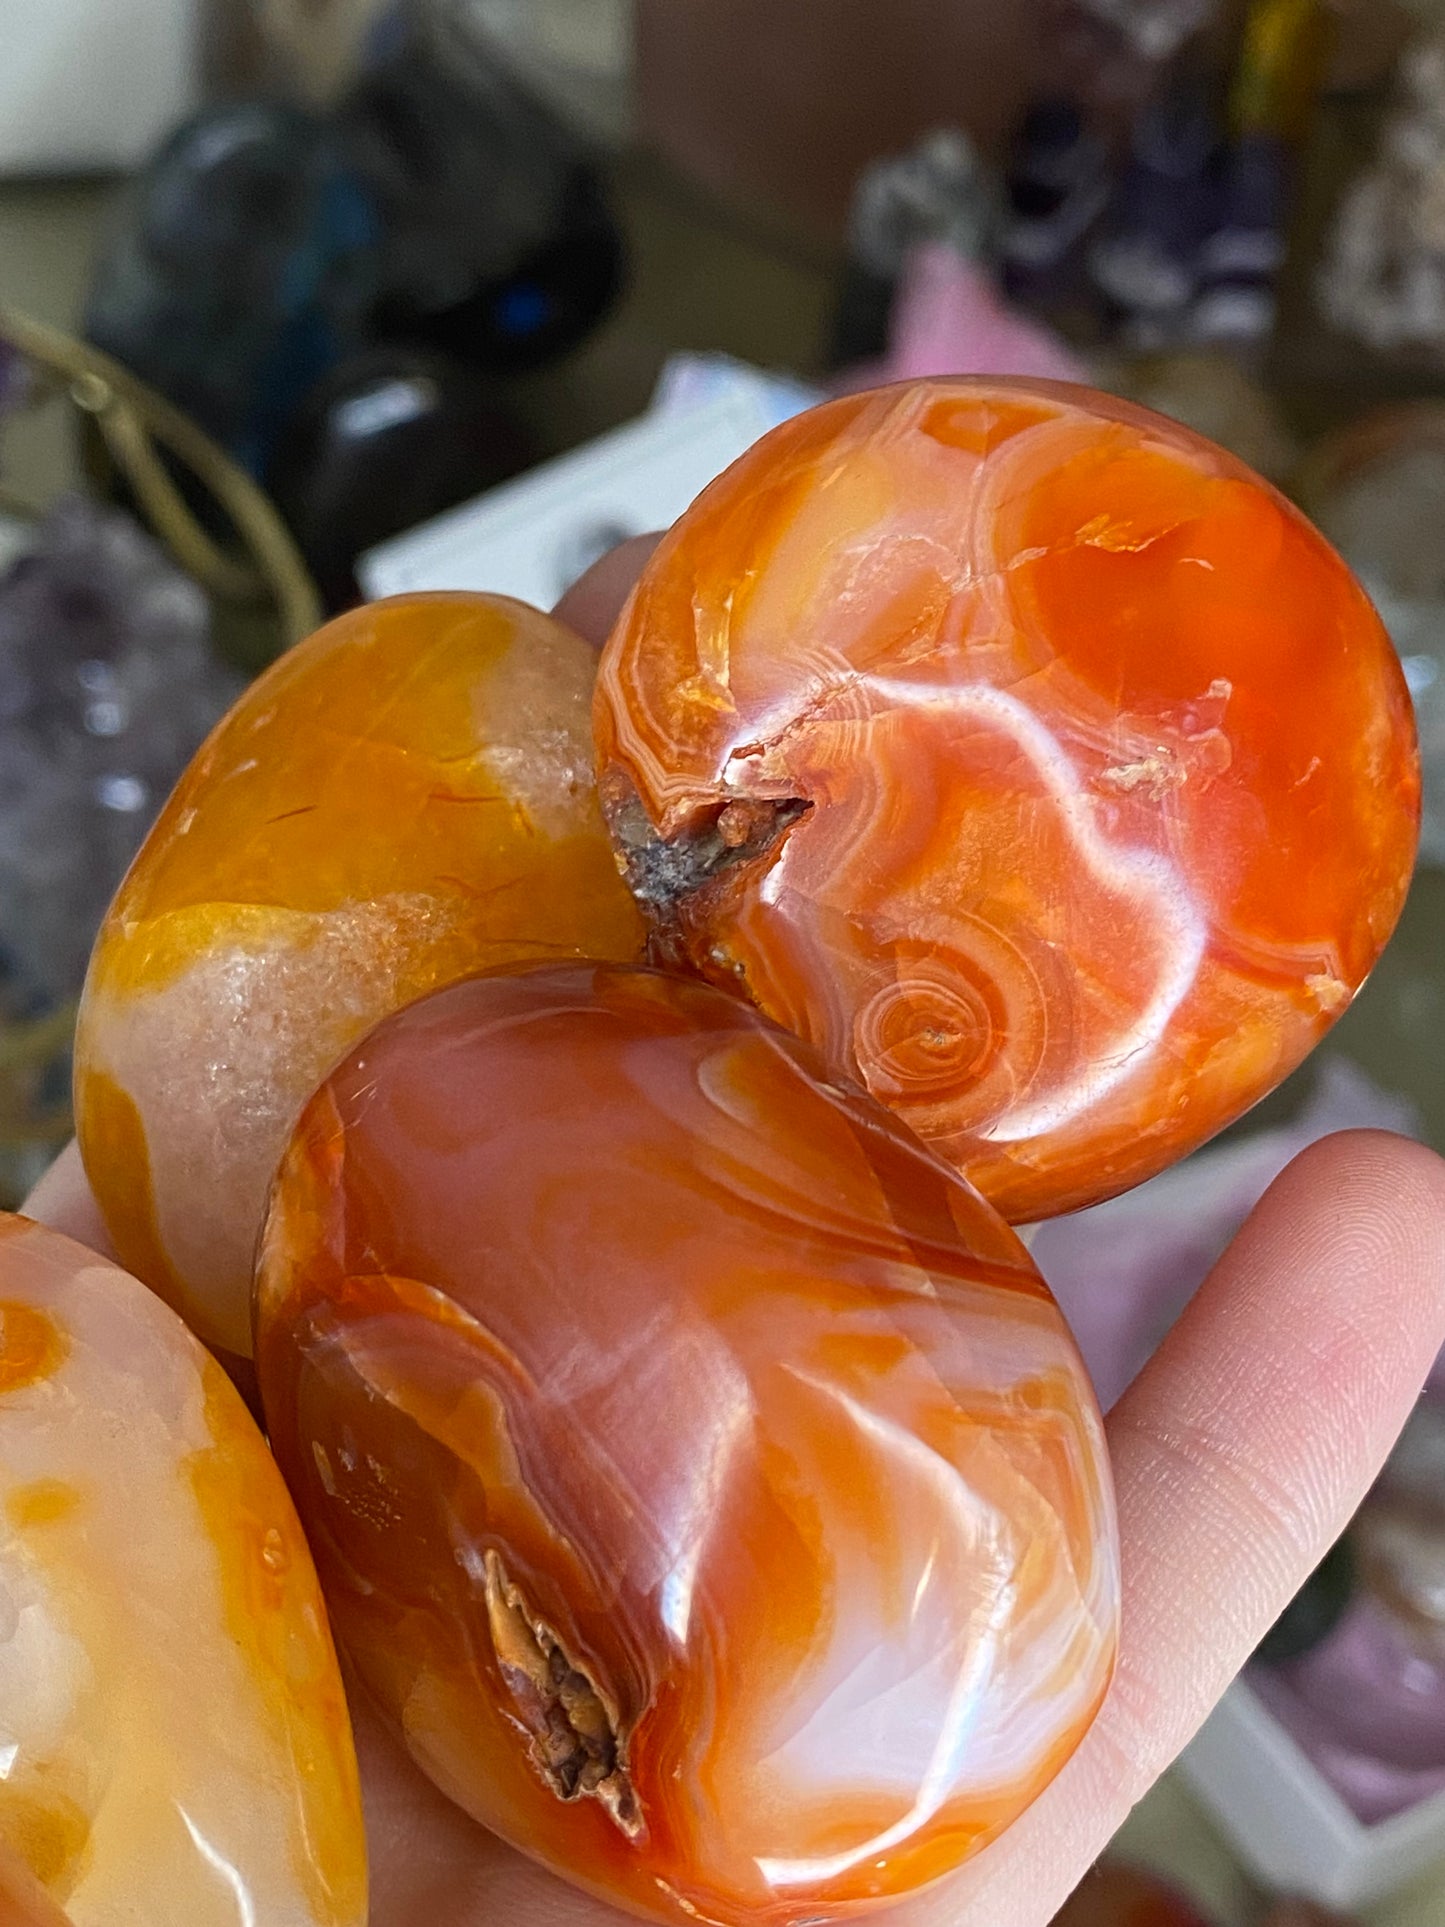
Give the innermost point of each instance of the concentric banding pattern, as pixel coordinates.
(1110, 769)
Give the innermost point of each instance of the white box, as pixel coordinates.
(532, 537)
(1286, 1821)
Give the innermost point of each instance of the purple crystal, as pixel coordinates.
(1367, 1703)
(1368, 1707)
(107, 685)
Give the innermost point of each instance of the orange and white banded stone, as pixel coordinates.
(175, 1747)
(700, 1474)
(1027, 754)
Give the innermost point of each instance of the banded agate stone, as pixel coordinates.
(699, 1473)
(403, 799)
(1028, 755)
(174, 1743)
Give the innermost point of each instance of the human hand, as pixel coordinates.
(1239, 1454)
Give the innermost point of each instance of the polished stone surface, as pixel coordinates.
(703, 277)
(1027, 754)
(403, 799)
(699, 1473)
(174, 1739)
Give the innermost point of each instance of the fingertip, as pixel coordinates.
(1398, 1169)
(64, 1201)
(1243, 1449)
(1371, 1202)
(595, 600)
(1299, 1359)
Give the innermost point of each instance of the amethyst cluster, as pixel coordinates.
(107, 685)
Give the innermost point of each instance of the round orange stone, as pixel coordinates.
(1027, 754)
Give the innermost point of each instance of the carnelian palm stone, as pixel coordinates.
(700, 1474)
(174, 1741)
(403, 798)
(1027, 754)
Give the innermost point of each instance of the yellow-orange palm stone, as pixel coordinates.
(403, 799)
(174, 1741)
(1028, 755)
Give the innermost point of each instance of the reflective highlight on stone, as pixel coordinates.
(1028, 755)
(699, 1472)
(174, 1741)
(403, 799)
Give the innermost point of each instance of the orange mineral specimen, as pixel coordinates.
(1028, 755)
(403, 799)
(174, 1743)
(699, 1473)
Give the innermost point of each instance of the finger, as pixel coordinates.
(1239, 1455)
(595, 600)
(63, 1200)
(431, 1862)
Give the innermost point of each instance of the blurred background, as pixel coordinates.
(304, 301)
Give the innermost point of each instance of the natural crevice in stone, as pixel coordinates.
(577, 1739)
(662, 871)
